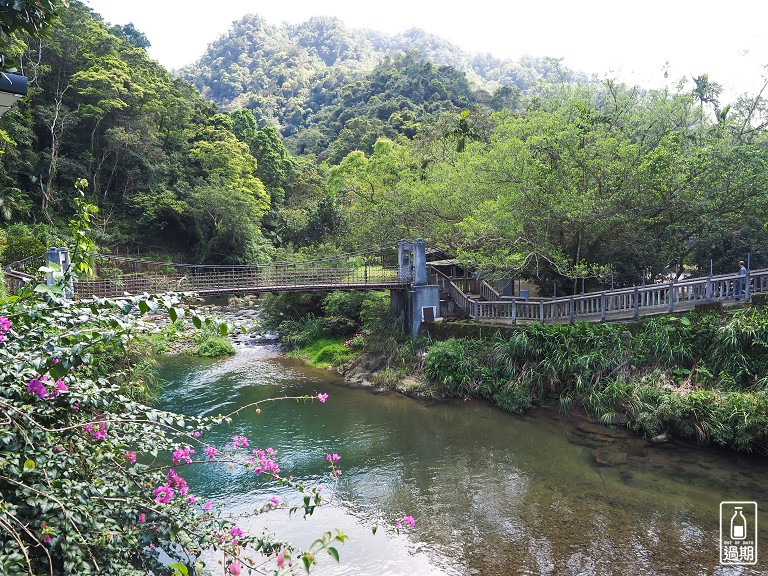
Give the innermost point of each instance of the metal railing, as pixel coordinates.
(614, 304)
(120, 275)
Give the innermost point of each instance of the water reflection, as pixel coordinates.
(493, 494)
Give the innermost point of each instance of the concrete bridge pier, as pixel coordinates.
(420, 303)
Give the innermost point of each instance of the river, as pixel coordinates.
(492, 493)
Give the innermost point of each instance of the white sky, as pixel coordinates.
(631, 41)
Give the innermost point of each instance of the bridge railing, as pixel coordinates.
(622, 303)
(211, 279)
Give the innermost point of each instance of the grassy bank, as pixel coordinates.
(324, 352)
(701, 376)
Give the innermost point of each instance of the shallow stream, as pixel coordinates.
(492, 493)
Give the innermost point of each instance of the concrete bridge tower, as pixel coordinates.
(420, 302)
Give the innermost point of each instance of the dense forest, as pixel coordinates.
(310, 138)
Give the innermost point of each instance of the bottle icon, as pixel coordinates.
(738, 525)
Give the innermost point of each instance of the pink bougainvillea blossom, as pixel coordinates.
(59, 387)
(131, 457)
(196, 434)
(409, 521)
(322, 397)
(98, 430)
(238, 441)
(5, 324)
(211, 452)
(332, 457)
(235, 568)
(275, 500)
(36, 387)
(207, 506)
(177, 482)
(163, 494)
(142, 517)
(266, 461)
(182, 455)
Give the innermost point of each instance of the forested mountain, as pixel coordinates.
(310, 79)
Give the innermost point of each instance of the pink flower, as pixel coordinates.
(131, 457)
(176, 481)
(142, 517)
(322, 397)
(163, 494)
(235, 568)
(60, 387)
(207, 506)
(99, 431)
(191, 499)
(275, 500)
(281, 560)
(36, 387)
(238, 441)
(196, 434)
(211, 452)
(47, 538)
(236, 532)
(182, 454)
(5, 324)
(409, 520)
(332, 457)
(266, 461)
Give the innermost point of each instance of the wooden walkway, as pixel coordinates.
(622, 304)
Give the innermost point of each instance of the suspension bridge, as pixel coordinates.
(420, 291)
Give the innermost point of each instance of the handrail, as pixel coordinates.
(488, 292)
(622, 303)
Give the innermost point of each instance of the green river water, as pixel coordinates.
(492, 493)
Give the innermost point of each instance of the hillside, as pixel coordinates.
(300, 77)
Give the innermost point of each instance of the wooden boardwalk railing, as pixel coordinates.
(608, 305)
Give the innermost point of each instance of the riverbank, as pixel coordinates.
(701, 376)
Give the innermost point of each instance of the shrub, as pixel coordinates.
(215, 346)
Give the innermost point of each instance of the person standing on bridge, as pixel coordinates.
(741, 281)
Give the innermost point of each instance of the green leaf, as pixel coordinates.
(179, 569)
(685, 321)
(223, 329)
(173, 314)
(333, 552)
(316, 545)
(197, 322)
(143, 306)
(29, 465)
(306, 561)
